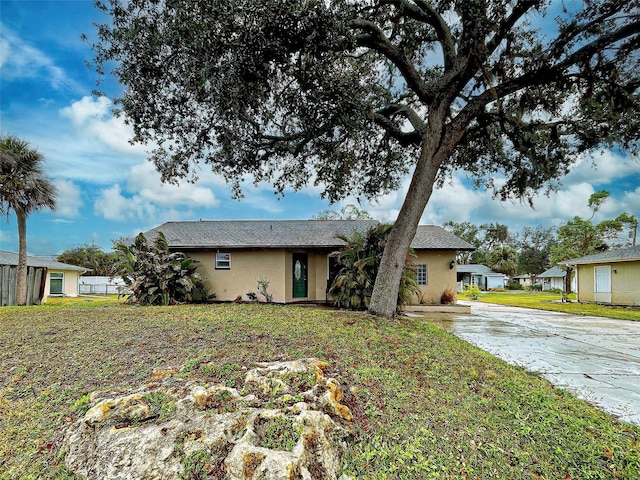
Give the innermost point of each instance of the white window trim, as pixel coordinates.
(223, 261)
(61, 278)
(426, 274)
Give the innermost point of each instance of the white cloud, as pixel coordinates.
(69, 198)
(94, 120)
(145, 180)
(18, 59)
(601, 168)
(459, 201)
(146, 199)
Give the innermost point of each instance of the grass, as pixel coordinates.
(552, 301)
(426, 404)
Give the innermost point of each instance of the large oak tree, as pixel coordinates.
(353, 95)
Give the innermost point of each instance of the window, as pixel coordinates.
(223, 261)
(56, 280)
(421, 274)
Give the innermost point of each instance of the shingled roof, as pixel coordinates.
(10, 258)
(288, 234)
(628, 254)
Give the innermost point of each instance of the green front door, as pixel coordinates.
(299, 275)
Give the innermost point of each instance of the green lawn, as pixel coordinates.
(426, 404)
(551, 301)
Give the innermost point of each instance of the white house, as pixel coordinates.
(480, 275)
(44, 278)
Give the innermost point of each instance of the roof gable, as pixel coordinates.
(553, 272)
(219, 234)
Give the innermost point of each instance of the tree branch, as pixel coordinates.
(506, 25)
(375, 39)
(425, 12)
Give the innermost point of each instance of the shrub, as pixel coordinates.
(448, 296)
(514, 285)
(263, 289)
(156, 276)
(474, 291)
(359, 262)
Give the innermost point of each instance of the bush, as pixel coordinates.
(448, 297)
(474, 291)
(514, 285)
(156, 276)
(359, 262)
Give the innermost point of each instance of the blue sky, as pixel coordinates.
(107, 189)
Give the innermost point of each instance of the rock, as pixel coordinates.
(287, 423)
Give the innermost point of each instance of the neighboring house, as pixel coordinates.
(297, 257)
(480, 275)
(611, 277)
(554, 278)
(525, 279)
(44, 278)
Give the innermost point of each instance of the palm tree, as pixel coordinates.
(24, 188)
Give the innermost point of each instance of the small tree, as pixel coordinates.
(359, 262)
(24, 188)
(157, 276)
(580, 237)
(91, 257)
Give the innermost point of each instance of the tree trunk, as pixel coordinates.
(384, 298)
(21, 281)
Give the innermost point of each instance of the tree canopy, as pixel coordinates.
(580, 236)
(353, 95)
(91, 257)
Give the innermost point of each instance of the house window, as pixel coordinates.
(56, 281)
(223, 261)
(421, 274)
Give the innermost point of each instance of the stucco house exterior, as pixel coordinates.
(611, 277)
(555, 278)
(44, 278)
(480, 275)
(297, 257)
(524, 279)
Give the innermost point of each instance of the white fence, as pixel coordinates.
(100, 285)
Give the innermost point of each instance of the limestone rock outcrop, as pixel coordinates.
(285, 423)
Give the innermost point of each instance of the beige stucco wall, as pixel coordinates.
(247, 267)
(439, 275)
(625, 282)
(69, 283)
(276, 265)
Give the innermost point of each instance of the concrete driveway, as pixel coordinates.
(597, 359)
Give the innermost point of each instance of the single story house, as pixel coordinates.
(297, 257)
(480, 275)
(611, 277)
(44, 278)
(524, 279)
(555, 278)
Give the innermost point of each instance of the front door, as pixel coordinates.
(602, 290)
(299, 275)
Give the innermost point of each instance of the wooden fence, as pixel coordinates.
(36, 278)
